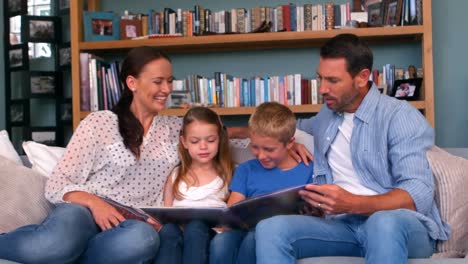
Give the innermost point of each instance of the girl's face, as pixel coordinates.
(201, 140)
(152, 86)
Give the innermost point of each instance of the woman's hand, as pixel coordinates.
(105, 215)
(300, 153)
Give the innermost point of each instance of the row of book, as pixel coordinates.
(286, 17)
(101, 88)
(224, 90)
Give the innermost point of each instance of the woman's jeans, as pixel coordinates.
(187, 246)
(384, 237)
(233, 246)
(69, 233)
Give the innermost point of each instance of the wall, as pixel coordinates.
(450, 72)
(450, 59)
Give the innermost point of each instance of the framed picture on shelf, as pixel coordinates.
(100, 26)
(43, 84)
(18, 57)
(19, 112)
(407, 89)
(393, 12)
(17, 7)
(375, 14)
(130, 28)
(64, 111)
(40, 29)
(63, 7)
(44, 135)
(64, 55)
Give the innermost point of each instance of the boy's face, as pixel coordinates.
(269, 151)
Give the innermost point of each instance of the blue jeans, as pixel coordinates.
(383, 237)
(189, 246)
(69, 233)
(233, 246)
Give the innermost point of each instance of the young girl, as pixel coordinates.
(201, 180)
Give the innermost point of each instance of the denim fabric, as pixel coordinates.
(189, 246)
(233, 246)
(388, 150)
(383, 237)
(70, 231)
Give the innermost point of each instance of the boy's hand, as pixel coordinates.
(300, 153)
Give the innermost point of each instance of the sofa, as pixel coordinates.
(22, 199)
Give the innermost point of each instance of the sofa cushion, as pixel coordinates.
(42, 157)
(451, 180)
(6, 148)
(22, 196)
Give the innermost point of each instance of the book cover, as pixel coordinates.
(129, 212)
(244, 214)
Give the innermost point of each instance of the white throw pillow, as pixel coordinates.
(42, 157)
(6, 148)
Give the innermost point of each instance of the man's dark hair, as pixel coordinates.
(354, 50)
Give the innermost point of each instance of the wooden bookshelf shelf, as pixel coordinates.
(421, 34)
(258, 40)
(226, 111)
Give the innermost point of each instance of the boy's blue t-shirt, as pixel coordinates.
(252, 179)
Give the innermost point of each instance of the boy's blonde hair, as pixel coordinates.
(274, 120)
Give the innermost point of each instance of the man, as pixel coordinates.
(373, 181)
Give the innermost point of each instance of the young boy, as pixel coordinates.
(271, 132)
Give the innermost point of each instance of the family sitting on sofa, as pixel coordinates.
(370, 192)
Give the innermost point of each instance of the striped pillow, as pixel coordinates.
(21, 196)
(451, 181)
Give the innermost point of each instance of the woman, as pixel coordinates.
(124, 155)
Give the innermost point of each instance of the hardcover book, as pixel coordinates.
(244, 214)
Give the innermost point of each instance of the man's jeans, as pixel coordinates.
(384, 237)
(70, 233)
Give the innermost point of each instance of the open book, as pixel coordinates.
(133, 213)
(244, 214)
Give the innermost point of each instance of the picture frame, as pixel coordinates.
(19, 112)
(18, 57)
(64, 111)
(64, 55)
(63, 7)
(17, 8)
(43, 83)
(179, 99)
(407, 89)
(44, 135)
(393, 10)
(130, 28)
(375, 14)
(101, 26)
(40, 29)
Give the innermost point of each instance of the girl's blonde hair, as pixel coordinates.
(223, 162)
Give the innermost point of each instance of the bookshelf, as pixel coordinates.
(239, 42)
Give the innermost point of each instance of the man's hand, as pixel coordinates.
(300, 153)
(105, 215)
(330, 198)
(310, 210)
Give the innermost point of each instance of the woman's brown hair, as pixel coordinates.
(130, 127)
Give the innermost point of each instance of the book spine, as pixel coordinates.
(85, 95)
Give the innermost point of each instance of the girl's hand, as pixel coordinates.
(105, 215)
(300, 153)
